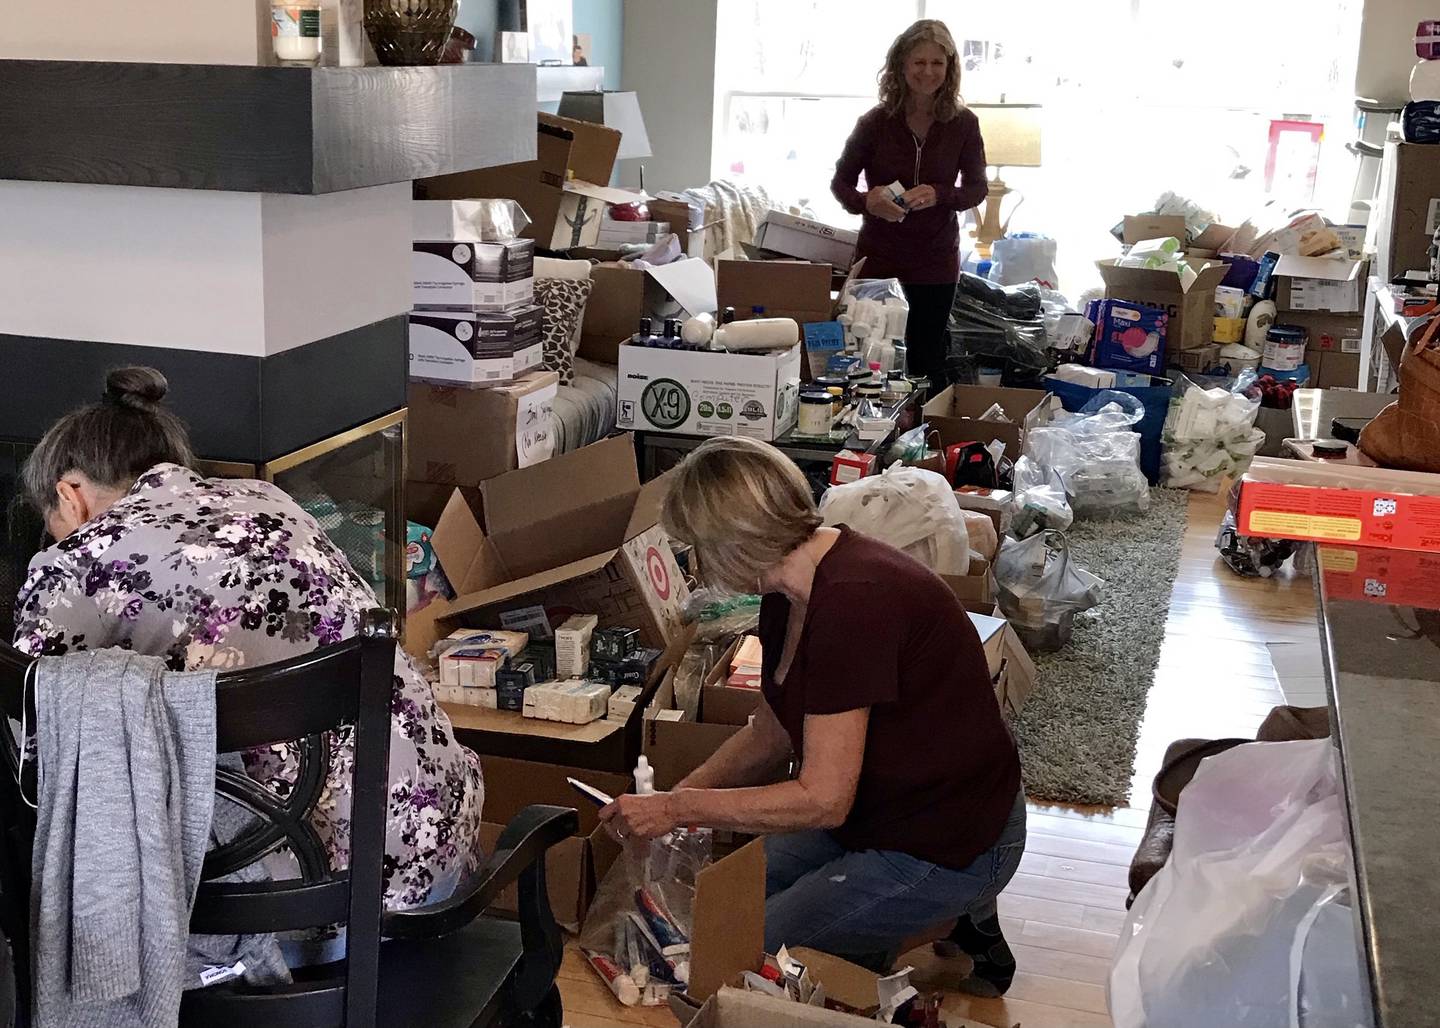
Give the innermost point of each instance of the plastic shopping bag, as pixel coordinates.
(1247, 924)
(912, 509)
(1038, 500)
(1040, 589)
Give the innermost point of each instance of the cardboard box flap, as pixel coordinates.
(844, 982)
(971, 402)
(513, 785)
(1140, 227)
(690, 281)
(648, 503)
(592, 148)
(463, 604)
(729, 920)
(1319, 267)
(605, 194)
(562, 509)
(1209, 274)
(460, 546)
(786, 289)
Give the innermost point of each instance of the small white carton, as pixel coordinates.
(701, 392)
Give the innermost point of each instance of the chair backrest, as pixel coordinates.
(299, 701)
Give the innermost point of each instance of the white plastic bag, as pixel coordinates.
(1021, 259)
(912, 509)
(1239, 926)
(1038, 500)
(1040, 589)
(1097, 454)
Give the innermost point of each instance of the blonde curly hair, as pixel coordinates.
(894, 91)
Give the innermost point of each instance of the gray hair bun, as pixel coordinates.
(139, 388)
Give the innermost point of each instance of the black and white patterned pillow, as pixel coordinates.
(564, 302)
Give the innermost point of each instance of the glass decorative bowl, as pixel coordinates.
(409, 32)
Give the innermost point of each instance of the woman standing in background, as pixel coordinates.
(922, 136)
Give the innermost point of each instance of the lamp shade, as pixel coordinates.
(618, 110)
(1011, 133)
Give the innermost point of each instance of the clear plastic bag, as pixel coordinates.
(1097, 454)
(1025, 258)
(1244, 923)
(912, 509)
(718, 613)
(642, 917)
(1209, 435)
(1040, 589)
(1038, 500)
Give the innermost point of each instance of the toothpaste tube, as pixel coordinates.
(668, 934)
(621, 984)
(663, 968)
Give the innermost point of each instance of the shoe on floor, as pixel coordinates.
(985, 944)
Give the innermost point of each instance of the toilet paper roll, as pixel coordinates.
(758, 334)
(1425, 81)
(698, 330)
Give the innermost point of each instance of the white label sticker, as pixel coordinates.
(214, 974)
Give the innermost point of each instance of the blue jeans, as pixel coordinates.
(863, 904)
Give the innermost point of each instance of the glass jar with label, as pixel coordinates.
(816, 412)
(295, 32)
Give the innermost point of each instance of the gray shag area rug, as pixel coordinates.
(1078, 730)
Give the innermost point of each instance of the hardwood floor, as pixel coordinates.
(1065, 908)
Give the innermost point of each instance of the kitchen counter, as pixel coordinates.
(1382, 660)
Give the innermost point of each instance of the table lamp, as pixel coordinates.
(1012, 140)
(617, 110)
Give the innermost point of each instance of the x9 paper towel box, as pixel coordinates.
(692, 392)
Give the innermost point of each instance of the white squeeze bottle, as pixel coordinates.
(644, 778)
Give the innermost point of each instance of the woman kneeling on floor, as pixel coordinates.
(907, 811)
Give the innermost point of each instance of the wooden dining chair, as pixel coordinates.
(438, 966)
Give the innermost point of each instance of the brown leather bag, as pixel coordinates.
(1406, 434)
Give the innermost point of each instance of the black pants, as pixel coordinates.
(927, 334)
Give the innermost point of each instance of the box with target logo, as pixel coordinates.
(575, 534)
(703, 392)
(1362, 506)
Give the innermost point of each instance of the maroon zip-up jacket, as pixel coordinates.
(924, 249)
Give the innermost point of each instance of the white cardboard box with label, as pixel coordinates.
(694, 392)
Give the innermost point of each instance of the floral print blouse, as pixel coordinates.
(213, 573)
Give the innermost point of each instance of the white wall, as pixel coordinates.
(163, 31)
(1387, 47)
(669, 60)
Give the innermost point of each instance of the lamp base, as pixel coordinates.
(991, 228)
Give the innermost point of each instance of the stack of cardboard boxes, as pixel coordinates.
(1325, 297)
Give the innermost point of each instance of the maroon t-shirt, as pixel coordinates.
(940, 770)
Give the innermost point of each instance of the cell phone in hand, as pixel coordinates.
(594, 795)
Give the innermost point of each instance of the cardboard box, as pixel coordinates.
(676, 748)
(574, 868)
(1312, 502)
(1136, 228)
(462, 437)
(1011, 670)
(693, 392)
(1408, 208)
(975, 591)
(806, 239)
(1314, 284)
(564, 190)
(622, 295)
(955, 414)
(472, 348)
(575, 534)
(1191, 312)
(687, 224)
(1196, 361)
(785, 289)
(1335, 369)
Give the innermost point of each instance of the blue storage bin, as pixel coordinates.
(1155, 397)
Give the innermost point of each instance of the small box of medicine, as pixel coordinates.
(511, 683)
(470, 667)
(486, 698)
(614, 644)
(541, 653)
(849, 466)
(484, 638)
(585, 702)
(572, 645)
(622, 703)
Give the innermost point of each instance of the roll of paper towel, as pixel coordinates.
(758, 334)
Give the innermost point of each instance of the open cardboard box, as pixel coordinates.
(574, 868)
(675, 748)
(975, 591)
(785, 289)
(621, 295)
(1137, 228)
(955, 414)
(565, 190)
(1011, 669)
(1191, 311)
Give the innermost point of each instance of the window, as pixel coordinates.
(1139, 97)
